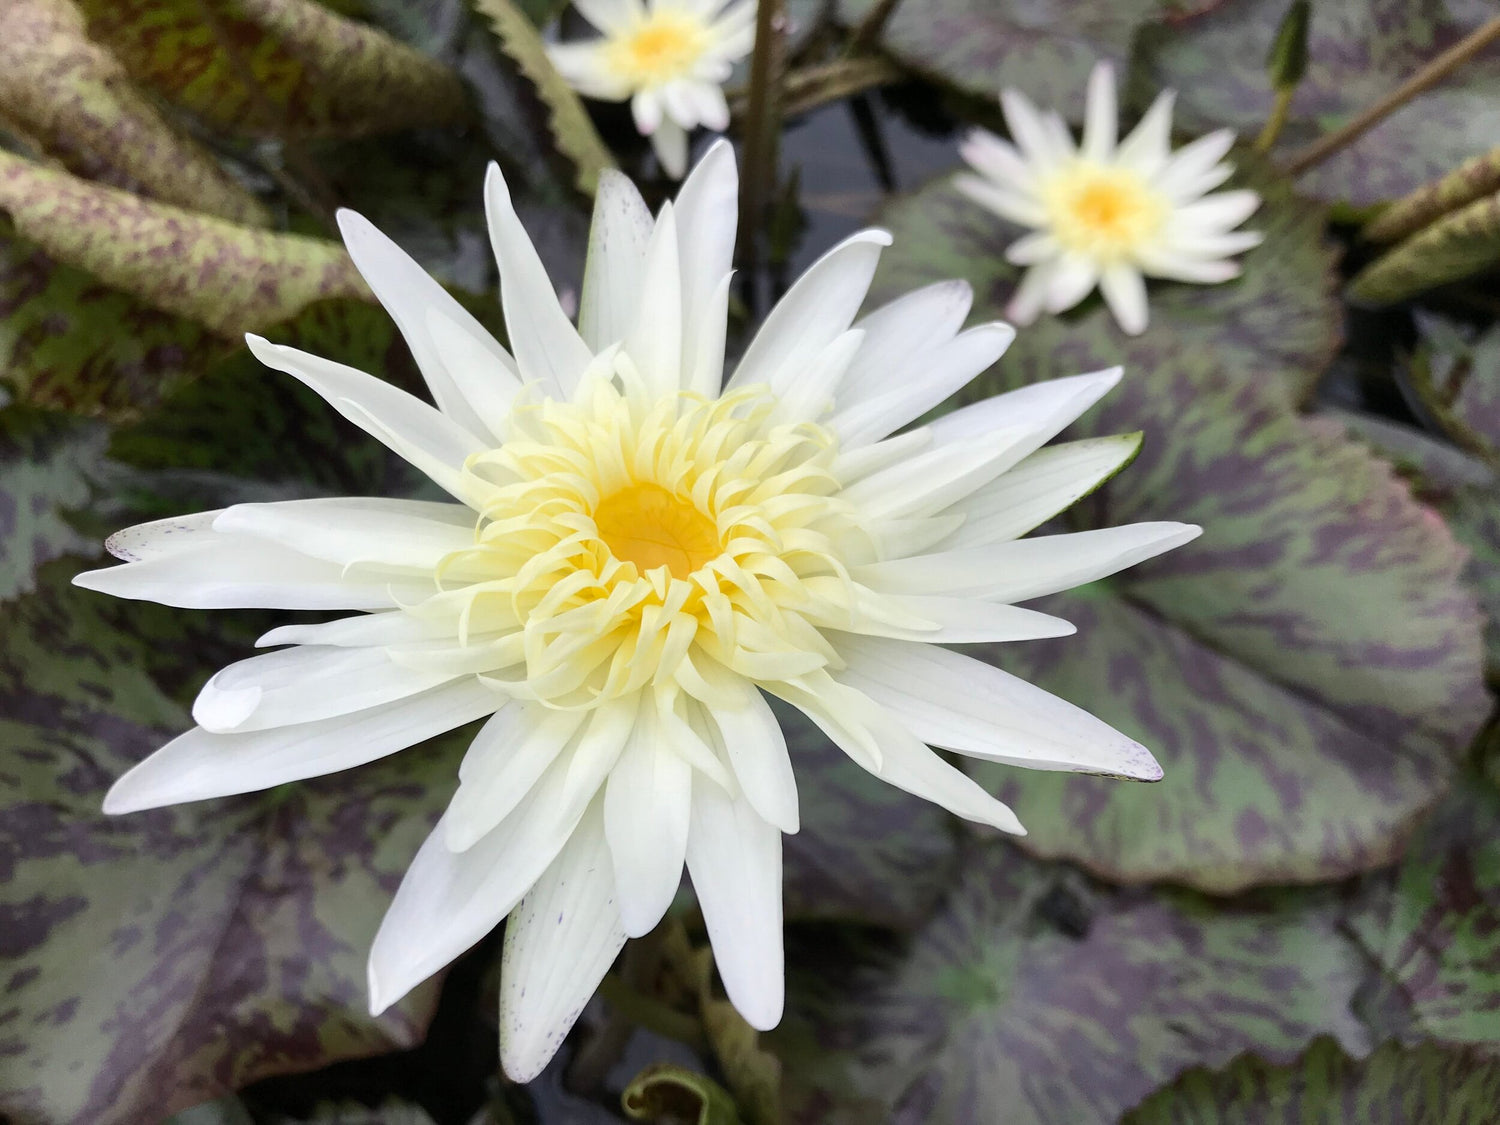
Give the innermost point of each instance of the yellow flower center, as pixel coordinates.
(627, 540)
(662, 48)
(649, 526)
(1103, 211)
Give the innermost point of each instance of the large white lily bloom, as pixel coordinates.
(668, 58)
(632, 561)
(1103, 213)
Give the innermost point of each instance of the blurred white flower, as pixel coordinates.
(1106, 213)
(669, 58)
(634, 560)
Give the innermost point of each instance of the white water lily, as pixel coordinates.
(1107, 214)
(668, 58)
(632, 561)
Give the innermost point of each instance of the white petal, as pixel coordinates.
(449, 900)
(233, 572)
(1043, 408)
(586, 67)
(1010, 203)
(304, 685)
(1030, 133)
(560, 940)
(409, 293)
(706, 215)
(1186, 267)
(429, 439)
(1124, 292)
(956, 621)
(1041, 246)
(949, 368)
(968, 706)
(617, 253)
(164, 537)
(507, 757)
(1049, 481)
(654, 340)
(1027, 568)
(646, 806)
(1150, 143)
(1181, 179)
(900, 335)
(411, 534)
(548, 347)
(489, 382)
(929, 481)
(811, 395)
(646, 108)
(734, 858)
(389, 628)
(818, 308)
(997, 160)
(611, 15)
(1217, 212)
(669, 141)
(1073, 278)
(198, 765)
(1101, 114)
(1026, 302)
(750, 737)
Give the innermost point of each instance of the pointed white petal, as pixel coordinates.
(585, 66)
(750, 737)
(409, 294)
(1014, 204)
(233, 572)
(707, 208)
(1043, 408)
(734, 858)
(1048, 482)
(1124, 292)
(669, 141)
(1149, 144)
(646, 806)
(611, 15)
(928, 482)
(1030, 133)
(617, 252)
(1073, 278)
(968, 706)
(489, 381)
(163, 537)
(507, 757)
(548, 347)
(198, 765)
(948, 368)
(1215, 213)
(654, 339)
(812, 394)
(900, 336)
(1101, 114)
(429, 439)
(1025, 304)
(449, 900)
(1027, 568)
(818, 308)
(411, 534)
(390, 628)
(954, 621)
(560, 940)
(997, 161)
(304, 685)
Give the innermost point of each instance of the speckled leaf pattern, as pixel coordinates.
(1435, 941)
(316, 74)
(1043, 47)
(867, 852)
(230, 278)
(1061, 1001)
(73, 98)
(1455, 247)
(1358, 51)
(47, 468)
(1307, 671)
(157, 960)
(1393, 1086)
(1471, 180)
(1463, 489)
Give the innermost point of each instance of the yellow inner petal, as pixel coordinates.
(664, 47)
(1104, 211)
(649, 526)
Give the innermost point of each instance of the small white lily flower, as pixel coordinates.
(635, 556)
(669, 58)
(1107, 214)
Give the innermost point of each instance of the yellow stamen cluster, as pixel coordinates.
(664, 47)
(622, 533)
(1102, 211)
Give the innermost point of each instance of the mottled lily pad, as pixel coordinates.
(1042, 47)
(1063, 1002)
(157, 960)
(1358, 51)
(1456, 375)
(48, 464)
(1308, 671)
(1393, 1086)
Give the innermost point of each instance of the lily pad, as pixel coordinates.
(47, 467)
(1393, 1086)
(158, 960)
(1061, 1001)
(1309, 670)
(1358, 51)
(289, 68)
(1456, 375)
(1043, 47)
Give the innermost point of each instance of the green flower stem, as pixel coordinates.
(762, 125)
(1276, 120)
(1429, 76)
(867, 34)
